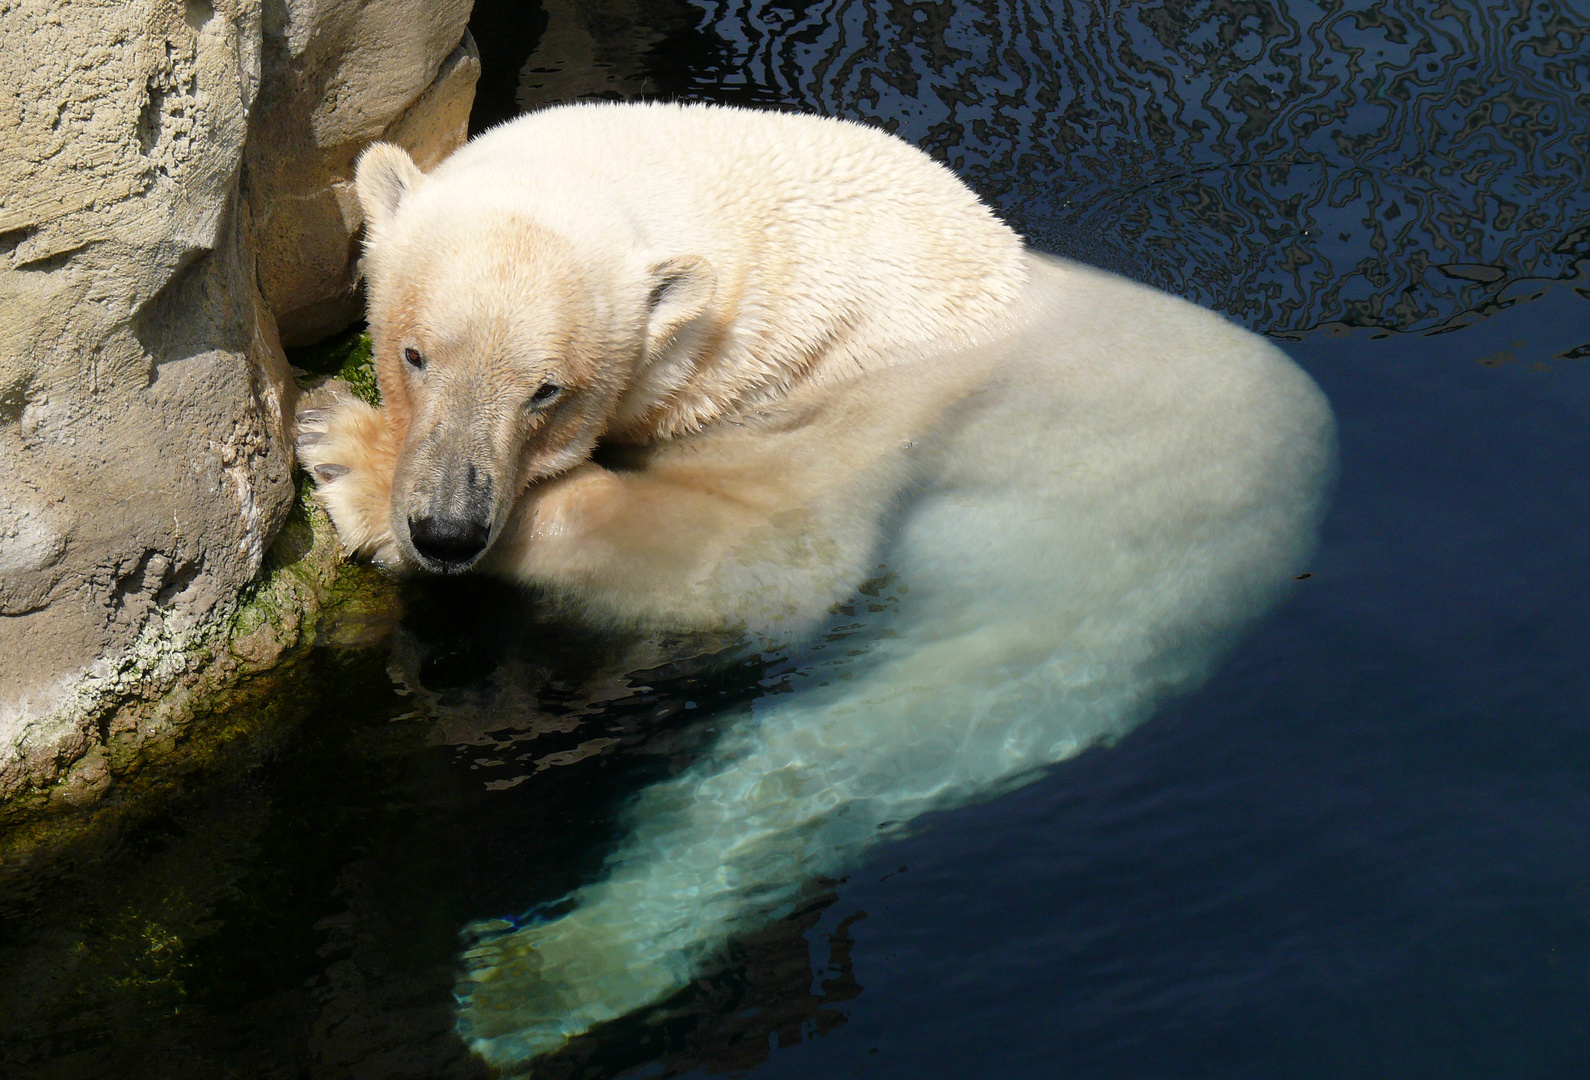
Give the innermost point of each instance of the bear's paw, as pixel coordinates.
(347, 448)
(525, 992)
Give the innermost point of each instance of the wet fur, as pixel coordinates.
(670, 268)
(1084, 490)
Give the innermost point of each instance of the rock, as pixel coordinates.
(143, 462)
(144, 459)
(437, 123)
(336, 78)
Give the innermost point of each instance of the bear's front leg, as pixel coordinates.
(652, 546)
(349, 449)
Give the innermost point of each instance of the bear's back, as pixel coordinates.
(835, 240)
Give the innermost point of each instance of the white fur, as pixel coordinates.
(1127, 491)
(817, 230)
(1083, 488)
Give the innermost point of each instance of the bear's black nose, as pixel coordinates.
(448, 540)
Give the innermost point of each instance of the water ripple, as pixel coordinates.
(1386, 163)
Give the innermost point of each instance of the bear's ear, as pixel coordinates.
(385, 175)
(681, 289)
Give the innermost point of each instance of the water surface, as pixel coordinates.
(1360, 851)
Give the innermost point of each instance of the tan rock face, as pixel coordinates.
(340, 74)
(147, 151)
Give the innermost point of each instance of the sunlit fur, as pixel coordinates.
(669, 267)
(1082, 489)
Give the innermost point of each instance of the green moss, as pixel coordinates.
(347, 356)
(305, 577)
(144, 959)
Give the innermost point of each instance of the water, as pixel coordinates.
(1359, 851)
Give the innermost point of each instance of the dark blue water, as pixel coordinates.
(1363, 850)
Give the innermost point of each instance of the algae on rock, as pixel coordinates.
(182, 700)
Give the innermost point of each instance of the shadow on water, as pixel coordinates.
(305, 915)
(1388, 165)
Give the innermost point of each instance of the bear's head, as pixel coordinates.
(503, 350)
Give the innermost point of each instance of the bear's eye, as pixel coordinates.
(416, 361)
(545, 394)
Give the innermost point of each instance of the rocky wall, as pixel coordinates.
(173, 177)
(339, 76)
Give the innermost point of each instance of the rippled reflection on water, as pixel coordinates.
(1387, 164)
(1377, 163)
(1367, 840)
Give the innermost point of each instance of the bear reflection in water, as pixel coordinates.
(807, 351)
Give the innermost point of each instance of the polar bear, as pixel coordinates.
(687, 367)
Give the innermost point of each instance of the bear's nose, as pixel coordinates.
(451, 541)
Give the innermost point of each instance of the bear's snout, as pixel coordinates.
(450, 542)
(449, 509)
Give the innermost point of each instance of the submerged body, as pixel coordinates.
(1082, 489)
